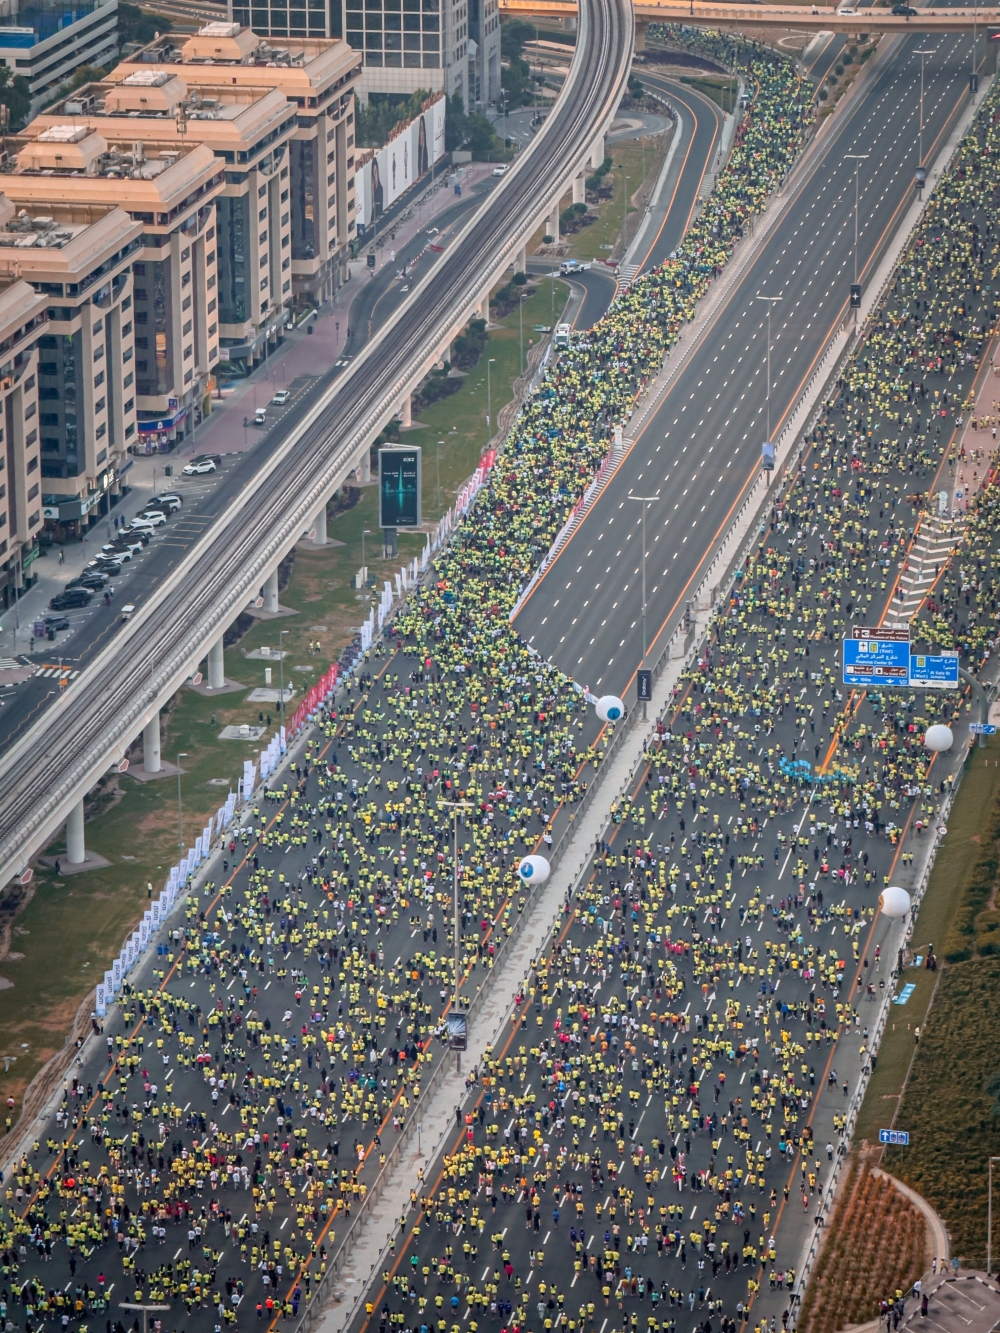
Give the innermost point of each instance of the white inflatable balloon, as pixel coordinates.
(894, 901)
(534, 870)
(939, 737)
(610, 708)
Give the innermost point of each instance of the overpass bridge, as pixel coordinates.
(803, 18)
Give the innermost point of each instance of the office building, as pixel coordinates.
(79, 262)
(450, 46)
(317, 77)
(46, 43)
(23, 321)
(171, 193)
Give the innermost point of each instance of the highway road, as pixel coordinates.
(701, 447)
(84, 730)
(697, 137)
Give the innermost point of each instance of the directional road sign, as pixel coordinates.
(982, 728)
(900, 1136)
(871, 662)
(934, 671)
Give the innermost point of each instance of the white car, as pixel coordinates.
(154, 516)
(281, 397)
(196, 467)
(572, 266)
(501, 170)
(141, 524)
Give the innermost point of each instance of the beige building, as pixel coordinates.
(78, 259)
(22, 323)
(172, 194)
(317, 77)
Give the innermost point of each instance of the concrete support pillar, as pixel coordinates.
(271, 592)
(366, 468)
(580, 188)
(76, 852)
(217, 664)
(597, 152)
(552, 222)
(406, 412)
(151, 744)
(320, 538)
(521, 261)
(641, 33)
(483, 308)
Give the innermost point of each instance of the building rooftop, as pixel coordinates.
(299, 66)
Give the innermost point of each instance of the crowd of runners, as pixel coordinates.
(638, 1136)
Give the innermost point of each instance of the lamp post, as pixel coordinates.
(365, 532)
(989, 1219)
(644, 500)
(181, 754)
(973, 87)
(857, 159)
(489, 400)
(624, 206)
(456, 808)
(520, 327)
(281, 679)
(923, 53)
(770, 301)
(128, 1305)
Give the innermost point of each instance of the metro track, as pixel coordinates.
(90, 726)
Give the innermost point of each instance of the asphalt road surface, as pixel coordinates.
(701, 447)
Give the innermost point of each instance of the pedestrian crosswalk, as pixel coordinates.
(936, 541)
(64, 672)
(627, 274)
(9, 664)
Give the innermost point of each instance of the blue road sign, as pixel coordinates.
(982, 728)
(900, 1136)
(905, 993)
(876, 662)
(937, 671)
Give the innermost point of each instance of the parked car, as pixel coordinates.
(501, 170)
(90, 578)
(155, 516)
(73, 597)
(905, 11)
(197, 466)
(281, 397)
(105, 564)
(55, 624)
(260, 417)
(141, 523)
(170, 501)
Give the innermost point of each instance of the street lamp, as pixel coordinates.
(520, 326)
(128, 1305)
(920, 159)
(281, 678)
(770, 301)
(438, 464)
(857, 159)
(365, 532)
(181, 754)
(489, 400)
(624, 207)
(644, 500)
(989, 1218)
(456, 808)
